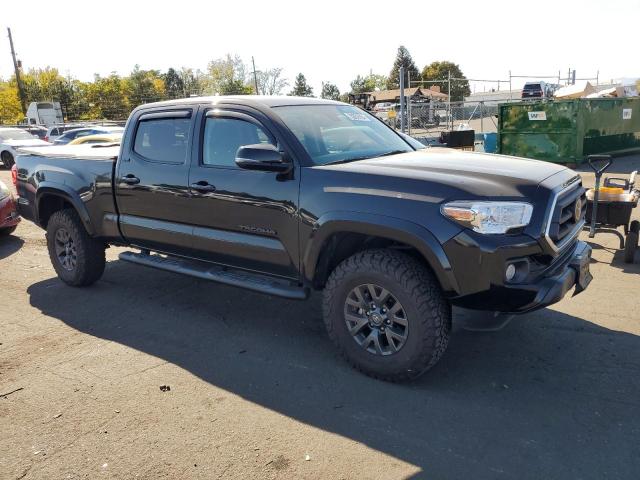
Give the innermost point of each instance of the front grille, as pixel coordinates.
(563, 219)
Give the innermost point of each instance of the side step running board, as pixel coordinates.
(206, 271)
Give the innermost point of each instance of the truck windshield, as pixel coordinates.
(340, 133)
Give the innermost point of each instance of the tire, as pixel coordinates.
(630, 246)
(7, 160)
(5, 232)
(84, 255)
(427, 314)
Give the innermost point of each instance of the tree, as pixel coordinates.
(440, 71)
(300, 87)
(403, 59)
(358, 85)
(173, 84)
(193, 81)
(330, 91)
(370, 83)
(107, 97)
(270, 81)
(145, 86)
(227, 76)
(10, 108)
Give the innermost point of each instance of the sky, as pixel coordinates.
(329, 40)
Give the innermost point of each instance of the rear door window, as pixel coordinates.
(163, 139)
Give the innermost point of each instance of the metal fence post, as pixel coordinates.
(449, 114)
(402, 100)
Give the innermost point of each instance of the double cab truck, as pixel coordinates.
(285, 195)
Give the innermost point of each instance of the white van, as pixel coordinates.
(44, 113)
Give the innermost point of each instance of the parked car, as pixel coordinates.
(72, 134)
(9, 217)
(283, 195)
(13, 138)
(539, 90)
(101, 138)
(35, 130)
(54, 131)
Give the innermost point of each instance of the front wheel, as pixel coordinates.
(77, 258)
(386, 314)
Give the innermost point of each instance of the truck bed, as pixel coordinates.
(107, 151)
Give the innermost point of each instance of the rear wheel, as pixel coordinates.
(386, 314)
(7, 160)
(77, 258)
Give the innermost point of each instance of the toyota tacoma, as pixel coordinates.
(284, 195)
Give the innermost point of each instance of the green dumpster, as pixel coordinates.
(566, 131)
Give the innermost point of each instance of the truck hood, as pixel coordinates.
(477, 174)
(36, 142)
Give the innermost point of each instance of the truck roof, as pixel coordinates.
(250, 100)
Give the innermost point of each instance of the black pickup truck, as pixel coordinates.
(283, 195)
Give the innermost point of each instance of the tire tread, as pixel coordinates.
(422, 287)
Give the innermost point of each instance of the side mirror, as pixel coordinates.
(262, 156)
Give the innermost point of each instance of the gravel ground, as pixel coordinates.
(255, 390)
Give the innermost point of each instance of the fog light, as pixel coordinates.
(510, 272)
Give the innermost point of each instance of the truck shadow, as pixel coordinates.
(550, 396)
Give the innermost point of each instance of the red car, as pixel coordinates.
(8, 215)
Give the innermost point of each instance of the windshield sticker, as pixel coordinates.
(357, 116)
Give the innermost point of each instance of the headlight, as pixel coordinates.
(489, 217)
(4, 191)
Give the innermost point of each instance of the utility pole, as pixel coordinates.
(402, 100)
(255, 77)
(16, 66)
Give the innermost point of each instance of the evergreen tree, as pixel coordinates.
(403, 59)
(330, 91)
(300, 87)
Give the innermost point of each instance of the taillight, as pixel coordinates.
(46, 138)
(14, 175)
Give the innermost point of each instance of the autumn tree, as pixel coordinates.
(145, 86)
(107, 97)
(403, 59)
(10, 108)
(439, 71)
(300, 87)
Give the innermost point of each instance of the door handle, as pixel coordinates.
(203, 186)
(130, 179)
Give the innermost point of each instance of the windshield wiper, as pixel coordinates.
(367, 157)
(392, 152)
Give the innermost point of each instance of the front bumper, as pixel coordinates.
(543, 285)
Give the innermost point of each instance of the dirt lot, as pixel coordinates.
(257, 391)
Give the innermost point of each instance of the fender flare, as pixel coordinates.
(384, 226)
(68, 194)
